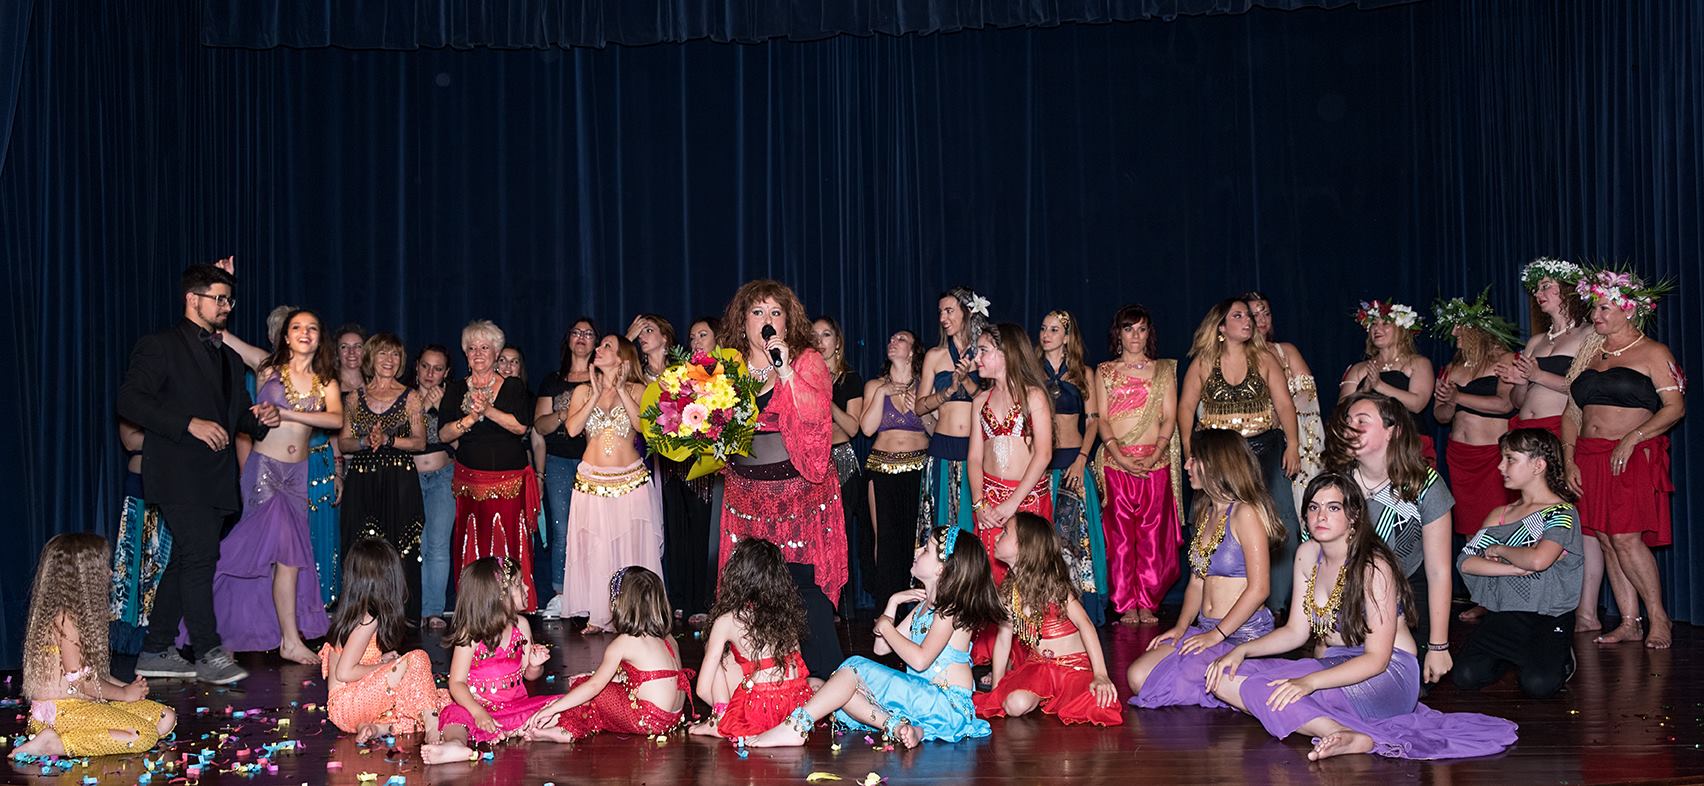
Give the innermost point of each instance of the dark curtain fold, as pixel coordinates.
(1324, 157)
(536, 24)
(14, 31)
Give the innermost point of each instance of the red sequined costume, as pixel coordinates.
(497, 679)
(997, 490)
(617, 708)
(800, 511)
(756, 707)
(1062, 681)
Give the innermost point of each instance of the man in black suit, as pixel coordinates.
(185, 389)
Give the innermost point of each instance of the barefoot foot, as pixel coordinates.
(909, 736)
(1339, 744)
(1662, 634)
(1130, 618)
(782, 736)
(551, 734)
(1628, 630)
(47, 743)
(445, 753)
(297, 652)
(1147, 617)
(703, 729)
(1587, 624)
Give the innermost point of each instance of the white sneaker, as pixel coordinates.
(553, 609)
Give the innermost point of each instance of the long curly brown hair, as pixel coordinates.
(1039, 577)
(72, 577)
(758, 591)
(966, 591)
(733, 331)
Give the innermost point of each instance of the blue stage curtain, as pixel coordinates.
(536, 24)
(1323, 156)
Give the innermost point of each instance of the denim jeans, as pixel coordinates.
(559, 475)
(440, 510)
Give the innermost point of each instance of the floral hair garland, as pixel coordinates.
(1449, 314)
(1563, 272)
(1372, 312)
(1625, 290)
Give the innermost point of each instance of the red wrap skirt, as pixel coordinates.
(1476, 484)
(1637, 500)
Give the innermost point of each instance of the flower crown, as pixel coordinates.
(1375, 311)
(1625, 290)
(1449, 314)
(1561, 271)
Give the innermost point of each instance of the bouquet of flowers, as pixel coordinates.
(703, 408)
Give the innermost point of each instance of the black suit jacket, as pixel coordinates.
(172, 378)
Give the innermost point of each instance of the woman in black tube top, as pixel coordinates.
(1562, 343)
(1614, 438)
(1393, 367)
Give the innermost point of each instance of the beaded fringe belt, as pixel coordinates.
(896, 463)
(615, 485)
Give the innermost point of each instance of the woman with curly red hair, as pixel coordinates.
(786, 490)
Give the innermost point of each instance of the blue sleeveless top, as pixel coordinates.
(944, 379)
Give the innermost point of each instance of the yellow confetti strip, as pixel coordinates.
(822, 777)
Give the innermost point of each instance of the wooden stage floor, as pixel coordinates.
(1628, 716)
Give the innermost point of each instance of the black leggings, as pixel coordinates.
(1539, 647)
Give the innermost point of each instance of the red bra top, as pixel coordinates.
(637, 676)
(1055, 624)
(1014, 423)
(793, 662)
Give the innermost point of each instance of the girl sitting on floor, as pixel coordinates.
(753, 676)
(1058, 666)
(76, 707)
(371, 691)
(1362, 695)
(653, 692)
(494, 657)
(931, 699)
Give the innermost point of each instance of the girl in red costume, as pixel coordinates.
(753, 676)
(1058, 666)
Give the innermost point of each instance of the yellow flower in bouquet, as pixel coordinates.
(702, 408)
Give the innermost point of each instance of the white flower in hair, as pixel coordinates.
(977, 305)
(1403, 316)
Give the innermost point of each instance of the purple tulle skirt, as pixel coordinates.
(273, 529)
(1181, 680)
(1386, 708)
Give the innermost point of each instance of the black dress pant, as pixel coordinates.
(1540, 648)
(821, 645)
(186, 586)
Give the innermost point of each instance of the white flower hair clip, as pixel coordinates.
(977, 305)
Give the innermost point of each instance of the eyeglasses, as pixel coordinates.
(224, 300)
(582, 334)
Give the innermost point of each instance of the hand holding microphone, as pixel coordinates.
(776, 355)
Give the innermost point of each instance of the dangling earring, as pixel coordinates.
(1221, 338)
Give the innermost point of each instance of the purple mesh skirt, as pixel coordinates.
(1386, 708)
(273, 529)
(1181, 680)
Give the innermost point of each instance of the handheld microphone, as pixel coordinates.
(774, 354)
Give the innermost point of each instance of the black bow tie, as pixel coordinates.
(211, 340)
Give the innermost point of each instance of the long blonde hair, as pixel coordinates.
(1207, 346)
(72, 578)
(1230, 471)
(1074, 371)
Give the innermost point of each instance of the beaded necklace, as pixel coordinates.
(1201, 552)
(1026, 629)
(1323, 619)
(299, 402)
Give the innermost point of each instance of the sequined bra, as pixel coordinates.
(921, 621)
(279, 391)
(611, 423)
(894, 420)
(1245, 407)
(1014, 424)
